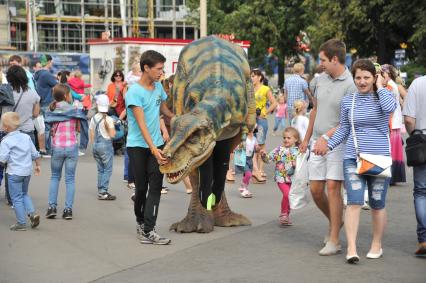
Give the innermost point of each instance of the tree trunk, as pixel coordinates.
(280, 72)
(381, 52)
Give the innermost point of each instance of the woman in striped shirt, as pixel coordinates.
(372, 109)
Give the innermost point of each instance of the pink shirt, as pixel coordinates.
(281, 110)
(64, 133)
(78, 85)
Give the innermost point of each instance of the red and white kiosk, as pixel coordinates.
(107, 55)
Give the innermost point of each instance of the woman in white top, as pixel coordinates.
(398, 166)
(300, 121)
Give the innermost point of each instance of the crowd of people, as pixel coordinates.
(357, 111)
(354, 112)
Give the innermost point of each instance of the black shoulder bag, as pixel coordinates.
(416, 148)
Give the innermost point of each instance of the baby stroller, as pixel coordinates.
(119, 141)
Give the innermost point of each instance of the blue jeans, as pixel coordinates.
(290, 112)
(18, 189)
(103, 152)
(128, 171)
(356, 184)
(279, 123)
(419, 194)
(61, 156)
(47, 137)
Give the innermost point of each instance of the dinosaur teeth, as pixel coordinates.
(174, 176)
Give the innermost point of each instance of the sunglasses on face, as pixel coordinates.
(117, 75)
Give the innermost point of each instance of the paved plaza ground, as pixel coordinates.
(100, 243)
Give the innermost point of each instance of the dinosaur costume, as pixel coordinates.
(214, 106)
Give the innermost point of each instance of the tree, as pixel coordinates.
(265, 24)
(373, 27)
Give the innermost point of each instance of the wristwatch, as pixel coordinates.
(324, 136)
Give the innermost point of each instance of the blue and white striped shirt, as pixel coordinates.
(371, 122)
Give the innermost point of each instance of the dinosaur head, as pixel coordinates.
(192, 141)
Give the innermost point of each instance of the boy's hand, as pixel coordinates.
(166, 137)
(37, 170)
(158, 154)
(262, 153)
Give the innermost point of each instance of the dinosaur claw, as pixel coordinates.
(224, 217)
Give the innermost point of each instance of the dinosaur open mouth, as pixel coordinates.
(192, 142)
(174, 177)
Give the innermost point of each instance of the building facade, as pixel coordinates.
(66, 25)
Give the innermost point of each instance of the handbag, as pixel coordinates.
(370, 164)
(416, 148)
(240, 157)
(113, 103)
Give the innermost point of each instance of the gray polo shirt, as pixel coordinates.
(24, 109)
(329, 93)
(415, 103)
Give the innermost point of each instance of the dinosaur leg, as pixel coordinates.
(198, 218)
(224, 217)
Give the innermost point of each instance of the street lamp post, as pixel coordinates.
(203, 18)
(35, 33)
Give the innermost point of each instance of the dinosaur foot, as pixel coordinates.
(224, 217)
(200, 221)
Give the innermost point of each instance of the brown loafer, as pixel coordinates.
(421, 251)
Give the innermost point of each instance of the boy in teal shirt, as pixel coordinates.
(144, 101)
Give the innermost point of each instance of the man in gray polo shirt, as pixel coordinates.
(415, 119)
(327, 168)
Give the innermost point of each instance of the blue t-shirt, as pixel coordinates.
(150, 102)
(31, 83)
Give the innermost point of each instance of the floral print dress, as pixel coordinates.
(285, 162)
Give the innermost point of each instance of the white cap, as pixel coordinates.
(102, 101)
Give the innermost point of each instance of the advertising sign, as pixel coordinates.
(61, 61)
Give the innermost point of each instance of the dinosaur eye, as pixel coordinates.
(194, 138)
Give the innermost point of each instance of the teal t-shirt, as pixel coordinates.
(150, 102)
(30, 77)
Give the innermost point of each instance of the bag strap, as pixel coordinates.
(19, 100)
(353, 129)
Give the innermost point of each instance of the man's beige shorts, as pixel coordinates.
(327, 167)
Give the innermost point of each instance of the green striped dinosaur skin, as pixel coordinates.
(212, 99)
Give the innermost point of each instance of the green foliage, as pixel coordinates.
(372, 27)
(273, 23)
